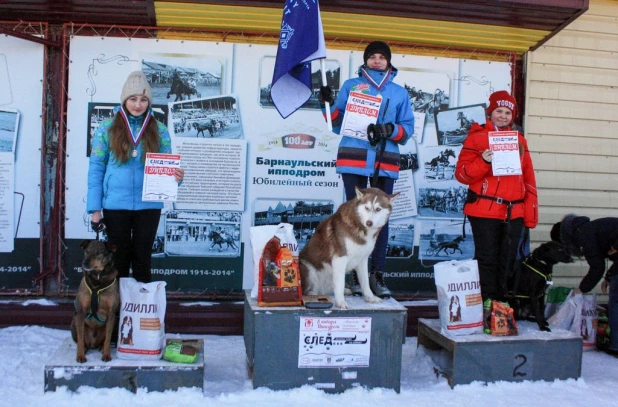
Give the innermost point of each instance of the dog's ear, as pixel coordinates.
(85, 244)
(359, 193)
(392, 197)
(110, 247)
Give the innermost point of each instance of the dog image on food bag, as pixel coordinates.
(343, 242)
(97, 301)
(126, 331)
(454, 309)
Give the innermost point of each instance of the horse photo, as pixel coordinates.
(439, 164)
(219, 238)
(182, 88)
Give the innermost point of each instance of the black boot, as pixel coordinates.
(376, 283)
(355, 285)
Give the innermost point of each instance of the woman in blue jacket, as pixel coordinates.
(116, 178)
(359, 158)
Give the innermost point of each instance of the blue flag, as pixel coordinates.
(301, 41)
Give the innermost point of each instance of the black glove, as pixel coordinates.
(325, 95)
(377, 132)
(98, 226)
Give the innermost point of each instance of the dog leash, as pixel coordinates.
(376, 174)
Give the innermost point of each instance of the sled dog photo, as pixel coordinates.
(343, 242)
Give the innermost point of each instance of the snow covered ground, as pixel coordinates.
(24, 351)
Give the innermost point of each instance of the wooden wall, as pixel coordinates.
(571, 124)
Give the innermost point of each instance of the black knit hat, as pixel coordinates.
(377, 47)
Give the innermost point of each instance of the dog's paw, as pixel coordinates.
(342, 304)
(106, 358)
(81, 359)
(545, 328)
(372, 299)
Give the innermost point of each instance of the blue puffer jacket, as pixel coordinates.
(356, 156)
(113, 185)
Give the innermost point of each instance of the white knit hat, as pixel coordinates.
(136, 84)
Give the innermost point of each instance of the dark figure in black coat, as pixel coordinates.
(595, 240)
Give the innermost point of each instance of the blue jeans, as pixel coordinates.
(613, 311)
(378, 256)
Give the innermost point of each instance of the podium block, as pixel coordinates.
(155, 375)
(531, 355)
(332, 349)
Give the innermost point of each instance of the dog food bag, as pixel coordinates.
(279, 283)
(260, 235)
(567, 311)
(142, 319)
(460, 304)
(502, 319)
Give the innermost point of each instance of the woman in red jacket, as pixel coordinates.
(498, 206)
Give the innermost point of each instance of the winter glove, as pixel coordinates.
(325, 95)
(377, 132)
(98, 226)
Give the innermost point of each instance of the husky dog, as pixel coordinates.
(342, 243)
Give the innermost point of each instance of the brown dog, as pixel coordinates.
(97, 300)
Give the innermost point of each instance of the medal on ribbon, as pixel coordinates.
(136, 137)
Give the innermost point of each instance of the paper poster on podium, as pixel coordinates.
(159, 180)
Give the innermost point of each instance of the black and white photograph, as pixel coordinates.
(445, 240)
(429, 91)
(176, 77)
(333, 80)
(99, 112)
(9, 123)
(202, 233)
(439, 163)
(445, 201)
(303, 215)
(452, 125)
(215, 117)
(400, 240)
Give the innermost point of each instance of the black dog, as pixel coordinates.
(534, 275)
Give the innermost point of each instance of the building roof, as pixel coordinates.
(490, 25)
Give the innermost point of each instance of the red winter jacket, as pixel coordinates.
(472, 170)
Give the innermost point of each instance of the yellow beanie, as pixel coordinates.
(136, 84)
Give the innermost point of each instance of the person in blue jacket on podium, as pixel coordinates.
(373, 159)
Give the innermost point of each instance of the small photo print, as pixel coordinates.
(9, 123)
(445, 240)
(303, 215)
(333, 80)
(217, 117)
(202, 233)
(442, 202)
(400, 240)
(177, 77)
(452, 125)
(429, 91)
(439, 163)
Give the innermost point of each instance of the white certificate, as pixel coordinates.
(360, 111)
(505, 148)
(159, 180)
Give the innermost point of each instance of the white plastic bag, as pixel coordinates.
(142, 319)
(459, 297)
(260, 235)
(566, 313)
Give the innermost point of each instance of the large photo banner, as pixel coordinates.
(21, 98)
(245, 166)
